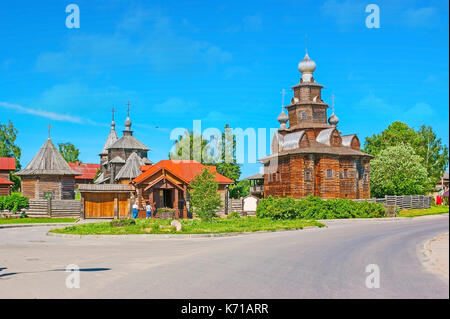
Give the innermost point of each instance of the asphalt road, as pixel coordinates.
(312, 263)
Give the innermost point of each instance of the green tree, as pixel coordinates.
(240, 189)
(204, 198)
(433, 152)
(397, 170)
(8, 148)
(69, 152)
(225, 164)
(425, 143)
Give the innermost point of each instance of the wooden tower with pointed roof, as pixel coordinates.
(310, 156)
(48, 175)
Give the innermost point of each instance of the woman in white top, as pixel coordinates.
(135, 210)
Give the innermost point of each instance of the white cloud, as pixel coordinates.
(43, 113)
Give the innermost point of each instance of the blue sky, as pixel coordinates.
(216, 61)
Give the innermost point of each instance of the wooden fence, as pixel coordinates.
(406, 201)
(70, 208)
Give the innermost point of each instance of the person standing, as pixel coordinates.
(148, 208)
(135, 210)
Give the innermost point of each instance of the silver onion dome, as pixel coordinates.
(333, 119)
(282, 119)
(307, 68)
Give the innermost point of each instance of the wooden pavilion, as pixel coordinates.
(48, 175)
(167, 184)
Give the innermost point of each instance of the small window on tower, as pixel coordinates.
(308, 176)
(329, 173)
(303, 115)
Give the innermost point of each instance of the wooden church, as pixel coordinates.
(122, 158)
(310, 156)
(48, 175)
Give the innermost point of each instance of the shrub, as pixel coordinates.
(13, 202)
(316, 208)
(204, 198)
(233, 215)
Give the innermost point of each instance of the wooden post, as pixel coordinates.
(175, 202)
(130, 206)
(49, 207)
(185, 216)
(116, 206)
(83, 213)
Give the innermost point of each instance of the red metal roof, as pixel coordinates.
(7, 163)
(4, 181)
(87, 171)
(186, 170)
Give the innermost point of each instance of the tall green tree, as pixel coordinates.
(226, 163)
(203, 195)
(69, 152)
(434, 154)
(8, 148)
(398, 170)
(424, 141)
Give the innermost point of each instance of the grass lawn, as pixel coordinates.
(434, 210)
(219, 225)
(29, 220)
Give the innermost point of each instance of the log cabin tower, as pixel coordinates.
(309, 155)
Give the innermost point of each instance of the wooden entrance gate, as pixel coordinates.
(105, 201)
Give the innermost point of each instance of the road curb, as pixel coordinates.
(34, 225)
(174, 236)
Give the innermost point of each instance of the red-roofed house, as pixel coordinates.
(87, 172)
(167, 184)
(7, 165)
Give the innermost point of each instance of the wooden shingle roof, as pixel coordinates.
(48, 161)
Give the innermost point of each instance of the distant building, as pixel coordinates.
(87, 171)
(121, 159)
(48, 175)
(443, 184)
(256, 184)
(310, 156)
(7, 165)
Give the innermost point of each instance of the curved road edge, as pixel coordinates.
(434, 255)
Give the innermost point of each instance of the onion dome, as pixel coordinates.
(282, 119)
(307, 68)
(333, 120)
(128, 123)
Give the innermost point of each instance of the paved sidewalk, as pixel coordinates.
(436, 251)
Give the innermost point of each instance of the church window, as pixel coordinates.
(303, 115)
(329, 173)
(308, 176)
